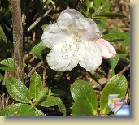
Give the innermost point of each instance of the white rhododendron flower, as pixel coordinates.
(72, 40)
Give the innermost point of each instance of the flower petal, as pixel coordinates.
(90, 32)
(90, 55)
(107, 49)
(53, 35)
(71, 17)
(76, 23)
(63, 57)
(65, 20)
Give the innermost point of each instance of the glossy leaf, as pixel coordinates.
(52, 101)
(35, 85)
(2, 35)
(42, 94)
(1, 77)
(85, 99)
(20, 110)
(8, 64)
(81, 108)
(114, 35)
(113, 63)
(17, 90)
(116, 85)
(37, 50)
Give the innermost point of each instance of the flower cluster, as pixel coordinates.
(75, 39)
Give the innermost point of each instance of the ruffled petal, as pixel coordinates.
(75, 23)
(63, 57)
(90, 55)
(65, 21)
(53, 35)
(70, 18)
(90, 32)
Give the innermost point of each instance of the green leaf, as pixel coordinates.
(8, 64)
(44, 26)
(2, 35)
(39, 113)
(42, 94)
(97, 3)
(35, 85)
(1, 77)
(109, 15)
(123, 55)
(52, 101)
(106, 6)
(85, 99)
(113, 63)
(116, 85)
(88, 3)
(17, 90)
(115, 35)
(102, 6)
(20, 110)
(37, 50)
(81, 108)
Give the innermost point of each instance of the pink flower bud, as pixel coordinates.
(107, 49)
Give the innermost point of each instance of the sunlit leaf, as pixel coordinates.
(116, 85)
(85, 99)
(35, 85)
(89, 3)
(102, 6)
(113, 63)
(8, 64)
(20, 110)
(42, 94)
(37, 50)
(17, 90)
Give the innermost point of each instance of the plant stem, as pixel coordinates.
(17, 39)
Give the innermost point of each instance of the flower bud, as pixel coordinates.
(108, 51)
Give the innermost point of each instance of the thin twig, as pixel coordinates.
(38, 20)
(35, 68)
(44, 76)
(2, 101)
(124, 69)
